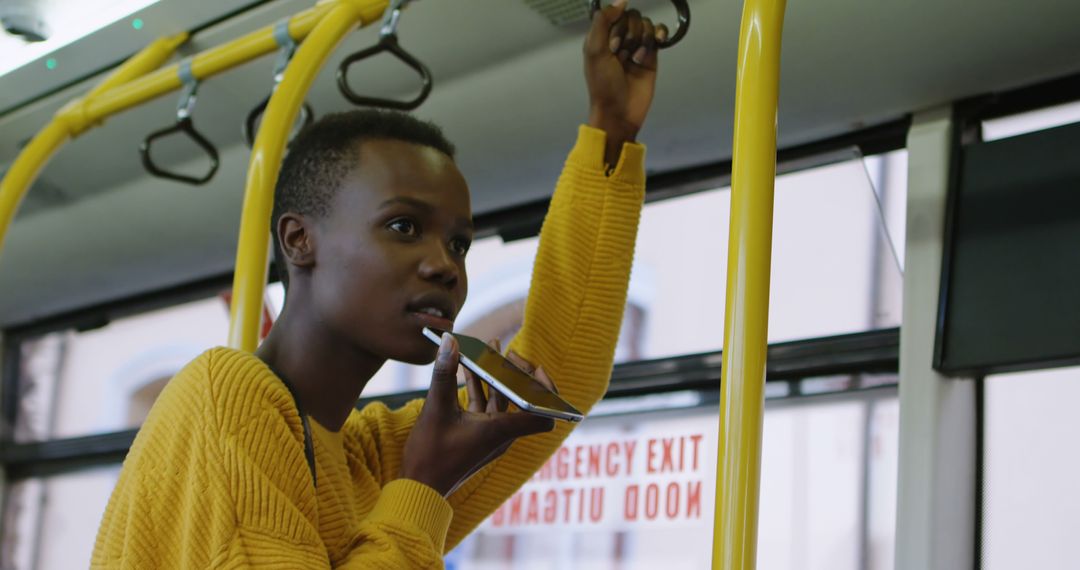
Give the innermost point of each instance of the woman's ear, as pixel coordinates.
(297, 239)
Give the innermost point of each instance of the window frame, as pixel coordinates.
(789, 362)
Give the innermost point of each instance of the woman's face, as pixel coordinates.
(390, 255)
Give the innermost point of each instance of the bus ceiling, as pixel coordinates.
(846, 66)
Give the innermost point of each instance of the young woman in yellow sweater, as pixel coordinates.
(263, 461)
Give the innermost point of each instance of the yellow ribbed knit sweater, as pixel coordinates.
(217, 476)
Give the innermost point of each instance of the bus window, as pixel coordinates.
(51, 522)
(1031, 121)
(105, 379)
(629, 492)
(1031, 509)
(838, 250)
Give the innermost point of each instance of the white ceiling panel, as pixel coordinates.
(509, 92)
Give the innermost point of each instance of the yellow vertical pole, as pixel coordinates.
(266, 153)
(746, 315)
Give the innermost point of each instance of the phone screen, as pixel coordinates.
(514, 383)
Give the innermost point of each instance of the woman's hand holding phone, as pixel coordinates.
(493, 400)
(448, 444)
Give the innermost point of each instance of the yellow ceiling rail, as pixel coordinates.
(136, 82)
(249, 279)
(746, 316)
(204, 65)
(41, 148)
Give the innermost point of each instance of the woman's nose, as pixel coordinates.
(438, 266)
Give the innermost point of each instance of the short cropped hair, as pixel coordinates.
(323, 154)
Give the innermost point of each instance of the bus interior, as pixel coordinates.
(877, 452)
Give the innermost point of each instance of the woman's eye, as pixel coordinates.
(460, 246)
(403, 226)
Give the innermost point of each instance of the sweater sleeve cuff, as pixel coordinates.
(588, 153)
(410, 502)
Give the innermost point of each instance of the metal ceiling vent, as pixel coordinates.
(561, 12)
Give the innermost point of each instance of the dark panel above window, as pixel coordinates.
(1011, 295)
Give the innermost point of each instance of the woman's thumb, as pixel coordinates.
(444, 376)
(521, 424)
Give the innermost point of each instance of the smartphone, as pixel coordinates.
(517, 385)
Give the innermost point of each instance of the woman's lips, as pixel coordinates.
(432, 321)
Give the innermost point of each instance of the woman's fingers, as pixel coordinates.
(478, 402)
(648, 42)
(520, 362)
(536, 371)
(632, 36)
(616, 34)
(513, 426)
(602, 36)
(496, 401)
(544, 379)
(634, 39)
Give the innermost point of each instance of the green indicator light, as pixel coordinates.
(50, 63)
(137, 23)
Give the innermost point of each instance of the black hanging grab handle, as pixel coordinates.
(682, 8)
(388, 42)
(307, 114)
(183, 126)
(251, 124)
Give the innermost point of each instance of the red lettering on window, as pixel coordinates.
(693, 500)
(630, 510)
(578, 461)
(567, 494)
(650, 453)
(562, 463)
(668, 463)
(611, 469)
(594, 460)
(515, 508)
(532, 515)
(596, 504)
(682, 453)
(652, 501)
(630, 446)
(697, 440)
(551, 503)
(671, 501)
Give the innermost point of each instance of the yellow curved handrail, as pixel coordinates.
(67, 123)
(746, 316)
(204, 65)
(249, 280)
(135, 82)
(320, 28)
